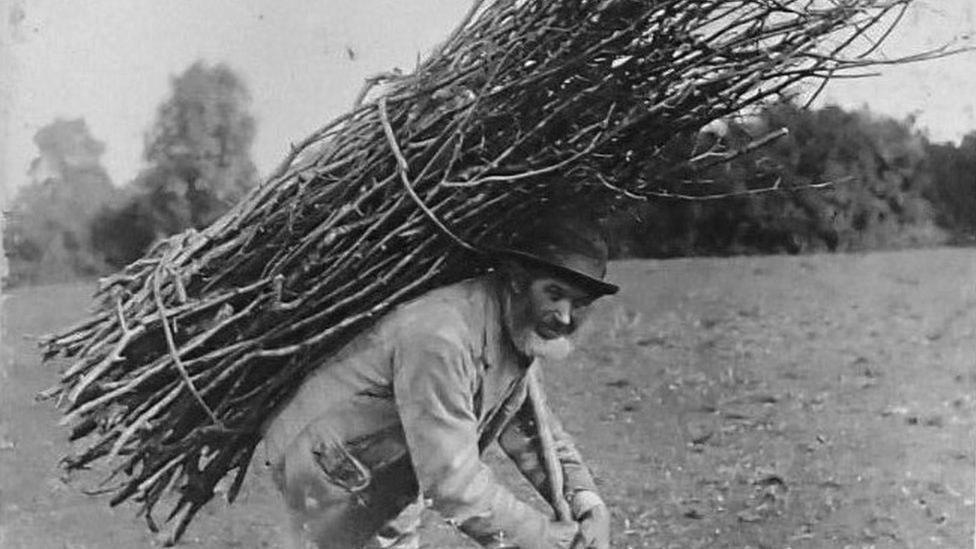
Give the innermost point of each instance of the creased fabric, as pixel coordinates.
(434, 382)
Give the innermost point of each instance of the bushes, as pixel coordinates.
(70, 221)
(881, 197)
(892, 188)
(47, 231)
(198, 151)
(953, 189)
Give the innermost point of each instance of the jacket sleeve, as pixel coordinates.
(520, 441)
(434, 384)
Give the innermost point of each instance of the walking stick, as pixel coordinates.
(554, 471)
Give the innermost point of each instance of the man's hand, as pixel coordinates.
(594, 529)
(563, 533)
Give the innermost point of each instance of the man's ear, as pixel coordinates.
(516, 276)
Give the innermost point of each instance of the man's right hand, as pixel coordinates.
(563, 533)
(594, 531)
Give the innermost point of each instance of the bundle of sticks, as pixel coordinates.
(528, 104)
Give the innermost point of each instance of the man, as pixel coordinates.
(399, 417)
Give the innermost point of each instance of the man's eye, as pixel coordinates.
(582, 303)
(555, 293)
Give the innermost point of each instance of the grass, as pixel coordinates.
(816, 401)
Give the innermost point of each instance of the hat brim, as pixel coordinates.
(591, 285)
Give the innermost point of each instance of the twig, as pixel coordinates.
(721, 158)
(403, 169)
(175, 353)
(512, 110)
(732, 194)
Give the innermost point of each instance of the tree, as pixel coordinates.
(953, 188)
(878, 168)
(878, 200)
(199, 165)
(47, 236)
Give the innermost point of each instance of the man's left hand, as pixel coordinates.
(594, 532)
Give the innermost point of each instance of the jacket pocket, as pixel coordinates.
(379, 450)
(340, 466)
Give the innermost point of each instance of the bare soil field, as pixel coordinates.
(769, 402)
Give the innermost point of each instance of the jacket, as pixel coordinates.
(436, 381)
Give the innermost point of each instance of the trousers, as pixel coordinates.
(337, 500)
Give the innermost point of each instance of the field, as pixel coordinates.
(772, 402)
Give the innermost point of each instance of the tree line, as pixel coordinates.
(889, 186)
(70, 221)
(880, 184)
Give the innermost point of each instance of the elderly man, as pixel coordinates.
(399, 417)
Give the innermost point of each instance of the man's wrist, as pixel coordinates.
(582, 502)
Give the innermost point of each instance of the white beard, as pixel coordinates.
(534, 345)
(530, 343)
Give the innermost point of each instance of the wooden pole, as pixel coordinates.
(554, 471)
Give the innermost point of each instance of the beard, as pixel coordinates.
(532, 344)
(519, 322)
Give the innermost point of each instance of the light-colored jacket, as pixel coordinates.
(435, 382)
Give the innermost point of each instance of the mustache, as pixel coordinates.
(557, 327)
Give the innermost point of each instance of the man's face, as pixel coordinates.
(545, 315)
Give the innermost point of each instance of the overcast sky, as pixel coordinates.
(110, 62)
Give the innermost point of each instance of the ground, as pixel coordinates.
(771, 402)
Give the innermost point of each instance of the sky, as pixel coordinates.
(110, 61)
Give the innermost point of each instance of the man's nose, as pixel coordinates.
(564, 312)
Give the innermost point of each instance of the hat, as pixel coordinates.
(569, 246)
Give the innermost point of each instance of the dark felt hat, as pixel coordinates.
(566, 245)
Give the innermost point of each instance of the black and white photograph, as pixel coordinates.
(513, 274)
